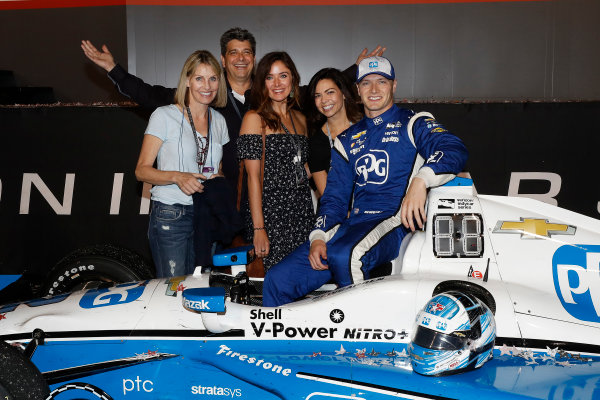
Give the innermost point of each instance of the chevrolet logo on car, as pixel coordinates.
(534, 228)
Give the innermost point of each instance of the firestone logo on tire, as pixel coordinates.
(72, 273)
(576, 273)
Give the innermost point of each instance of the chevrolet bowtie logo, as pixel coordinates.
(532, 228)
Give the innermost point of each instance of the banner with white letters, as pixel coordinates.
(67, 173)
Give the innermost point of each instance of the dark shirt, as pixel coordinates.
(319, 156)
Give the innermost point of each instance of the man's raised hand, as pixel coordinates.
(102, 58)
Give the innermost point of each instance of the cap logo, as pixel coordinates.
(375, 65)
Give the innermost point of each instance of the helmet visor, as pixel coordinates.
(434, 340)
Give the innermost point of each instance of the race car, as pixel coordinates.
(206, 336)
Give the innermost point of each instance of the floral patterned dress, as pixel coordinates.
(287, 202)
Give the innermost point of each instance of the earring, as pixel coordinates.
(291, 94)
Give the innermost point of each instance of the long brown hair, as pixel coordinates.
(259, 95)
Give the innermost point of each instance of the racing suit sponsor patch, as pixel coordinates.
(435, 157)
(358, 135)
(372, 168)
(356, 150)
(320, 223)
(357, 143)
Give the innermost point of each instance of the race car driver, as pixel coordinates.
(367, 209)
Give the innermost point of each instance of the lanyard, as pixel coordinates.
(329, 134)
(202, 150)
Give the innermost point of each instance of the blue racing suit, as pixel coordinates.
(372, 164)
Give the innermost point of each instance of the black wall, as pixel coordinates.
(94, 143)
(42, 48)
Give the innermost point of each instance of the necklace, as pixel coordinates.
(201, 147)
(299, 171)
(285, 129)
(298, 157)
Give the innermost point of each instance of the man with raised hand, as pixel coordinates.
(376, 190)
(238, 49)
(238, 52)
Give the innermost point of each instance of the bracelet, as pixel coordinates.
(260, 229)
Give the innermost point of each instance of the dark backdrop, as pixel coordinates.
(95, 143)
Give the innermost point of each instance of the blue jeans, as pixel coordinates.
(171, 236)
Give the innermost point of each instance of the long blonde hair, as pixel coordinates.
(196, 58)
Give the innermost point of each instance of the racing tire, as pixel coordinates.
(96, 264)
(78, 386)
(19, 378)
(467, 288)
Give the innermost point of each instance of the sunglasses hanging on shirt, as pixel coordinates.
(201, 147)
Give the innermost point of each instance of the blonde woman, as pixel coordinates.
(186, 140)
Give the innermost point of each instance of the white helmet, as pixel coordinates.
(453, 333)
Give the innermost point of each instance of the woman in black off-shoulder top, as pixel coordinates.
(281, 213)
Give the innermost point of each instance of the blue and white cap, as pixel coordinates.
(375, 65)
